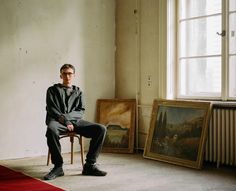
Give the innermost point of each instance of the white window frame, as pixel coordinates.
(172, 55)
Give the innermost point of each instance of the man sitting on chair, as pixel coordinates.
(65, 109)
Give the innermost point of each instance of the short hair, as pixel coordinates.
(65, 66)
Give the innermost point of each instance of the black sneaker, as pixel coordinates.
(55, 172)
(92, 170)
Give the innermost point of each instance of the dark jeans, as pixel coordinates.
(87, 129)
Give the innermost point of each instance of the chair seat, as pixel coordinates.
(71, 135)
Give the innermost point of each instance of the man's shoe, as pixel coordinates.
(55, 172)
(92, 170)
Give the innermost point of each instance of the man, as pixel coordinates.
(65, 109)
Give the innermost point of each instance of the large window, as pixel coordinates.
(232, 48)
(205, 49)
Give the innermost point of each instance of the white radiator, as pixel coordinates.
(221, 142)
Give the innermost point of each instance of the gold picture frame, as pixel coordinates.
(118, 115)
(178, 132)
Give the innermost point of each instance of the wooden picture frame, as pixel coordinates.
(118, 115)
(178, 132)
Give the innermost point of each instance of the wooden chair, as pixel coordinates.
(71, 135)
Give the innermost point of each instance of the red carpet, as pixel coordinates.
(11, 180)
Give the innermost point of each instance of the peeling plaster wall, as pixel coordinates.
(36, 38)
(141, 51)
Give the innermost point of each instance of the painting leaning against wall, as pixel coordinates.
(178, 131)
(118, 115)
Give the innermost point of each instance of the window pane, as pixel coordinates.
(200, 76)
(232, 76)
(232, 5)
(202, 35)
(232, 33)
(195, 8)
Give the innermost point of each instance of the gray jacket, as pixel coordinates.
(56, 107)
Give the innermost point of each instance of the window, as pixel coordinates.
(232, 48)
(205, 49)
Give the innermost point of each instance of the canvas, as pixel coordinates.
(118, 115)
(177, 132)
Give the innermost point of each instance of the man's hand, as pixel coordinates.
(61, 119)
(70, 127)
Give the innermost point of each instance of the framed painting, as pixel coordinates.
(178, 132)
(118, 115)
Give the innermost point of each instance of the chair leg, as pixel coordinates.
(72, 149)
(49, 156)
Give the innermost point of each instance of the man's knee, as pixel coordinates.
(52, 129)
(102, 129)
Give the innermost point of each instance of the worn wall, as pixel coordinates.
(36, 38)
(126, 48)
(141, 56)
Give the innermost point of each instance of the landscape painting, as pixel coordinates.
(118, 115)
(178, 131)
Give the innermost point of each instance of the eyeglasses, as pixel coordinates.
(67, 73)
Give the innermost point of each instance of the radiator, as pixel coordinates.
(221, 142)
